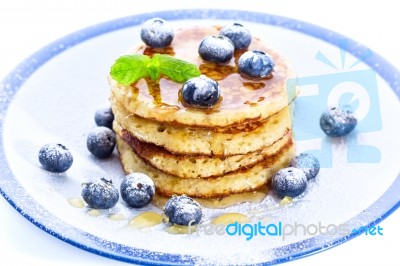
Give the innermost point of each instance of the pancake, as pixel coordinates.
(243, 100)
(237, 182)
(202, 141)
(197, 166)
(229, 149)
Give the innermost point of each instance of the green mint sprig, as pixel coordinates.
(129, 68)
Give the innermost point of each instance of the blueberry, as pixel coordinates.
(337, 122)
(104, 117)
(216, 49)
(55, 158)
(239, 35)
(100, 194)
(255, 64)
(101, 142)
(200, 92)
(289, 182)
(157, 33)
(137, 190)
(308, 163)
(182, 210)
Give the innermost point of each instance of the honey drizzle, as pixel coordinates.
(233, 85)
(145, 219)
(231, 200)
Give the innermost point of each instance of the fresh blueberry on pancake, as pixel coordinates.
(216, 49)
(200, 92)
(157, 33)
(255, 64)
(238, 34)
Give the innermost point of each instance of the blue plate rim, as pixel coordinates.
(380, 209)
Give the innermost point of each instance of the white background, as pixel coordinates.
(26, 26)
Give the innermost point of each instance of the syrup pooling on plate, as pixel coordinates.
(116, 217)
(230, 218)
(236, 91)
(145, 219)
(221, 203)
(76, 202)
(180, 229)
(94, 213)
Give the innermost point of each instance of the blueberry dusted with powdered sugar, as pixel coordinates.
(157, 33)
(289, 182)
(101, 142)
(308, 163)
(337, 122)
(100, 194)
(55, 158)
(238, 34)
(104, 117)
(137, 190)
(256, 64)
(200, 92)
(183, 210)
(216, 49)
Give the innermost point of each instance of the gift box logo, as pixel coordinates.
(346, 88)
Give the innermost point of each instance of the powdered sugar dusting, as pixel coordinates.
(39, 113)
(142, 179)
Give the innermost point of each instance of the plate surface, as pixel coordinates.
(52, 96)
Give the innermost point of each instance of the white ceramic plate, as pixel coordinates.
(52, 97)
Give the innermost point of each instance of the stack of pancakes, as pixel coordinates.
(232, 148)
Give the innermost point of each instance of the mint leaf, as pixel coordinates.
(153, 69)
(176, 69)
(130, 68)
